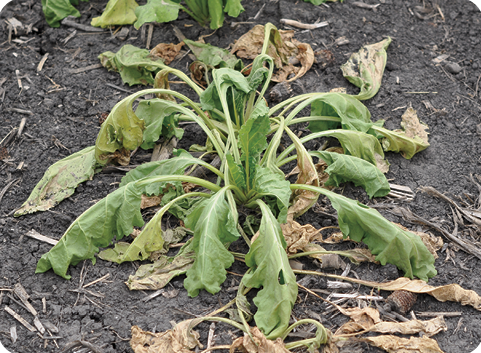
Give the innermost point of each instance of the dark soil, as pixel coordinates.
(66, 108)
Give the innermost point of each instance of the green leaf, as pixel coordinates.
(233, 8)
(117, 12)
(271, 270)
(135, 65)
(212, 231)
(157, 11)
(113, 216)
(216, 13)
(57, 10)
(160, 120)
(214, 57)
(60, 181)
(269, 183)
(353, 114)
(343, 168)
(172, 166)
(237, 172)
(365, 68)
(158, 274)
(388, 242)
(253, 133)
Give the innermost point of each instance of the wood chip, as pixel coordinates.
(86, 68)
(36, 235)
(22, 294)
(42, 62)
(20, 319)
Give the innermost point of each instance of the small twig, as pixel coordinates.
(69, 346)
(119, 88)
(21, 127)
(439, 313)
(149, 35)
(304, 25)
(68, 22)
(20, 319)
(4, 190)
(153, 295)
(97, 280)
(21, 111)
(364, 5)
(86, 68)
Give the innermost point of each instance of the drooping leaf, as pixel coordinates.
(135, 65)
(353, 114)
(343, 168)
(211, 233)
(158, 274)
(365, 68)
(389, 243)
(113, 216)
(391, 343)
(271, 271)
(157, 11)
(214, 57)
(117, 12)
(57, 10)
(121, 130)
(409, 141)
(159, 119)
(172, 166)
(269, 183)
(60, 181)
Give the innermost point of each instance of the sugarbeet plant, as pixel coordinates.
(245, 134)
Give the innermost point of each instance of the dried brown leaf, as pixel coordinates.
(394, 344)
(361, 320)
(427, 328)
(150, 201)
(260, 345)
(297, 236)
(167, 52)
(181, 339)
(412, 126)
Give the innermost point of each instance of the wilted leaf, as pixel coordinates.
(343, 168)
(432, 242)
(272, 272)
(156, 275)
(180, 339)
(411, 140)
(157, 11)
(395, 344)
(135, 65)
(356, 255)
(167, 52)
(117, 12)
(60, 181)
(282, 48)
(260, 344)
(214, 57)
(365, 68)
(57, 10)
(150, 201)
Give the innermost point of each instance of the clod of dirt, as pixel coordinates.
(453, 68)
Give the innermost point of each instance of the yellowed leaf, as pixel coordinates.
(260, 345)
(167, 52)
(180, 339)
(394, 344)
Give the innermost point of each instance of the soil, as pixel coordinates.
(65, 118)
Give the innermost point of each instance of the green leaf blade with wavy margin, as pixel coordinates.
(60, 181)
(211, 233)
(388, 242)
(343, 168)
(113, 216)
(270, 183)
(271, 271)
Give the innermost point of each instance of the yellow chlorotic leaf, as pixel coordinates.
(394, 344)
(181, 339)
